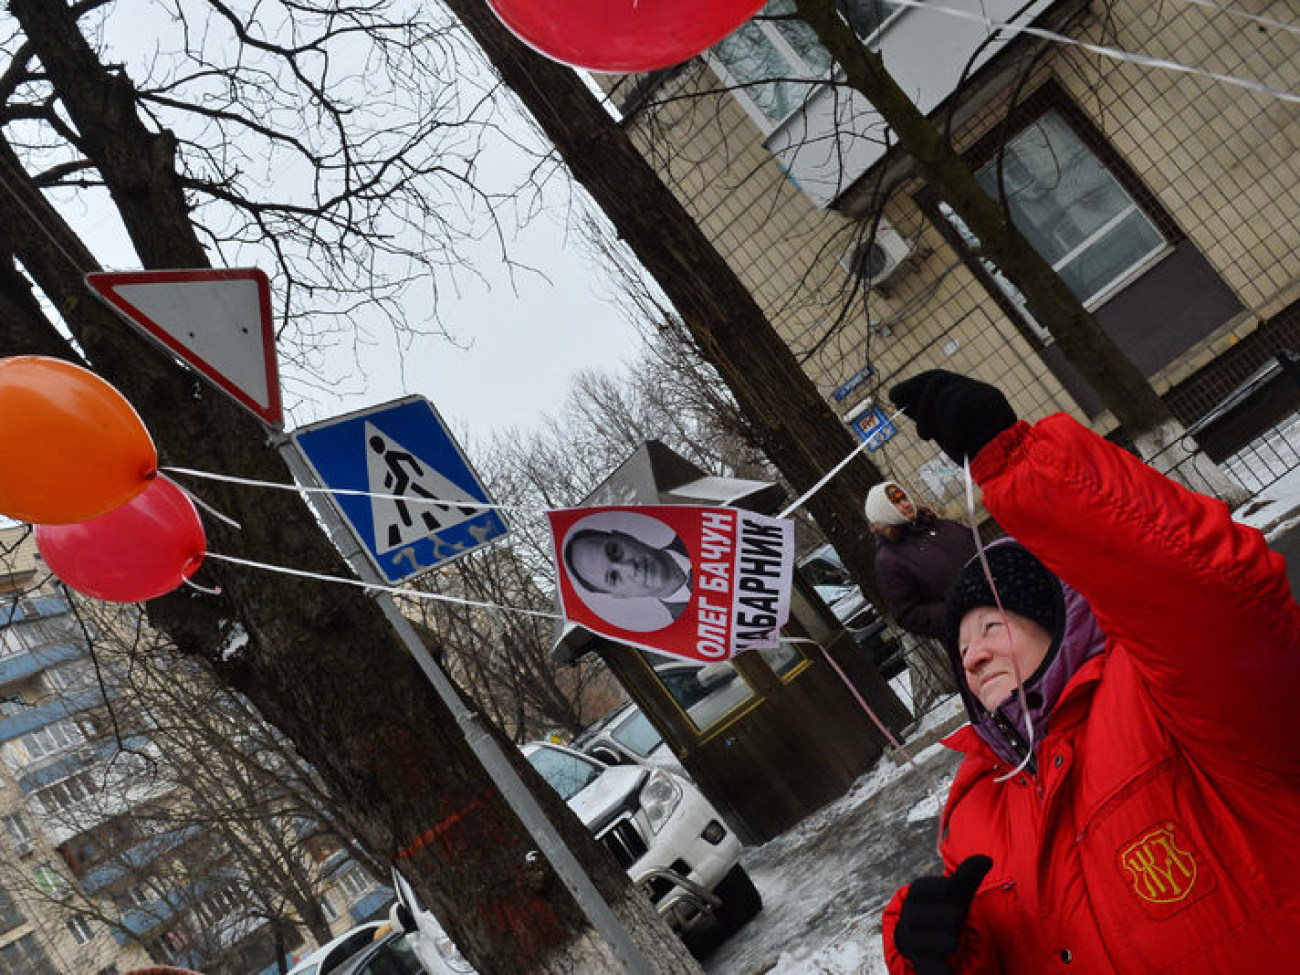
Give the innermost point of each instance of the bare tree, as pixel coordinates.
(316, 659)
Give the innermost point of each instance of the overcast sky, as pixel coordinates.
(519, 337)
(524, 340)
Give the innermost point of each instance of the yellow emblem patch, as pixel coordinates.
(1162, 871)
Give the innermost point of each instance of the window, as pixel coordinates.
(64, 795)
(16, 639)
(138, 895)
(25, 957)
(10, 916)
(50, 881)
(80, 929)
(1072, 209)
(213, 907)
(354, 882)
(567, 773)
(771, 63)
(706, 692)
(79, 675)
(394, 958)
(328, 909)
(19, 830)
(51, 739)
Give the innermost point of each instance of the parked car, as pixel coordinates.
(389, 954)
(329, 957)
(662, 830)
(425, 936)
(626, 736)
(859, 615)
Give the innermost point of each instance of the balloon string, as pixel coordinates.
(894, 743)
(350, 492)
(208, 508)
(799, 501)
(206, 590)
(1006, 626)
(1117, 54)
(376, 587)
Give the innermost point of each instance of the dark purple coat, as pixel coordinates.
(915, 571)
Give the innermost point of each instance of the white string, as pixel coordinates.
(206, 507)
(997, 598)
(409, 499)
(798, 502)
(206, 590)
(376, 587)
(1244, 15)
(1114, 53)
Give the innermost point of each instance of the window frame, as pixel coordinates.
(1050, 96)
(802, 71)
(80, 929)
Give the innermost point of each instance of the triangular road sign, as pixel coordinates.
(218, 321)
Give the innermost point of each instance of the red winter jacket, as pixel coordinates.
(1161, 833)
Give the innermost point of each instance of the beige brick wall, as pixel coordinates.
(1220, 159)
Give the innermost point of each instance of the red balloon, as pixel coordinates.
(141, 550)
(623, 36)
(71, 446)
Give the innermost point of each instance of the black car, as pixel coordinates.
(860, 617)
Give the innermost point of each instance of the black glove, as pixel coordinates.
(933, 915)
(961, 415)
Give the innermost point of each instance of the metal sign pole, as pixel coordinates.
(484, 746)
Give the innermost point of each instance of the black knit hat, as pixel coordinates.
(1024, 585)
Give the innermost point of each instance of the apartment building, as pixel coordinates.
(114, 850)
(1169, 201)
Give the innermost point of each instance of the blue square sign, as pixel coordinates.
(413, 509)
(874, 428)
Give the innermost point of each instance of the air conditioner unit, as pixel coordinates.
(872, 262)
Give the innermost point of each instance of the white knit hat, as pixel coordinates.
(880, 510)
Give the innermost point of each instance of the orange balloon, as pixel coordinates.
(71, 446)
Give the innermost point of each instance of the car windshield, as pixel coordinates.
(637, 734)
(345, 950)
(394, 958)
(567, 773)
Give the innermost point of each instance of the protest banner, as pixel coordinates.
(695, 582)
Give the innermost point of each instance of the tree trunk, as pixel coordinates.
(787, 417)
(318, 660)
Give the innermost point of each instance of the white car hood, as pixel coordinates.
(595, 805)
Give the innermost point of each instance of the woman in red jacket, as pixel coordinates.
(1154, 825)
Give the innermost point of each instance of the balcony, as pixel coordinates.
(52, 710)
(33, 608)
(134, 859)
(24, 665)
(371, 903)
(68, 760)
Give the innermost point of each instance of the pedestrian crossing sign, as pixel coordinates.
(404, 485)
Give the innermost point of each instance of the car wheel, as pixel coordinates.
(740, 898)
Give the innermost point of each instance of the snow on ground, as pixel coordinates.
(825, 882)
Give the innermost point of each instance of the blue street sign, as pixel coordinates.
(401, 454)
(874, 428)
(852, 383)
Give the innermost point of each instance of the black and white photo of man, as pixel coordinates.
(630, 569)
